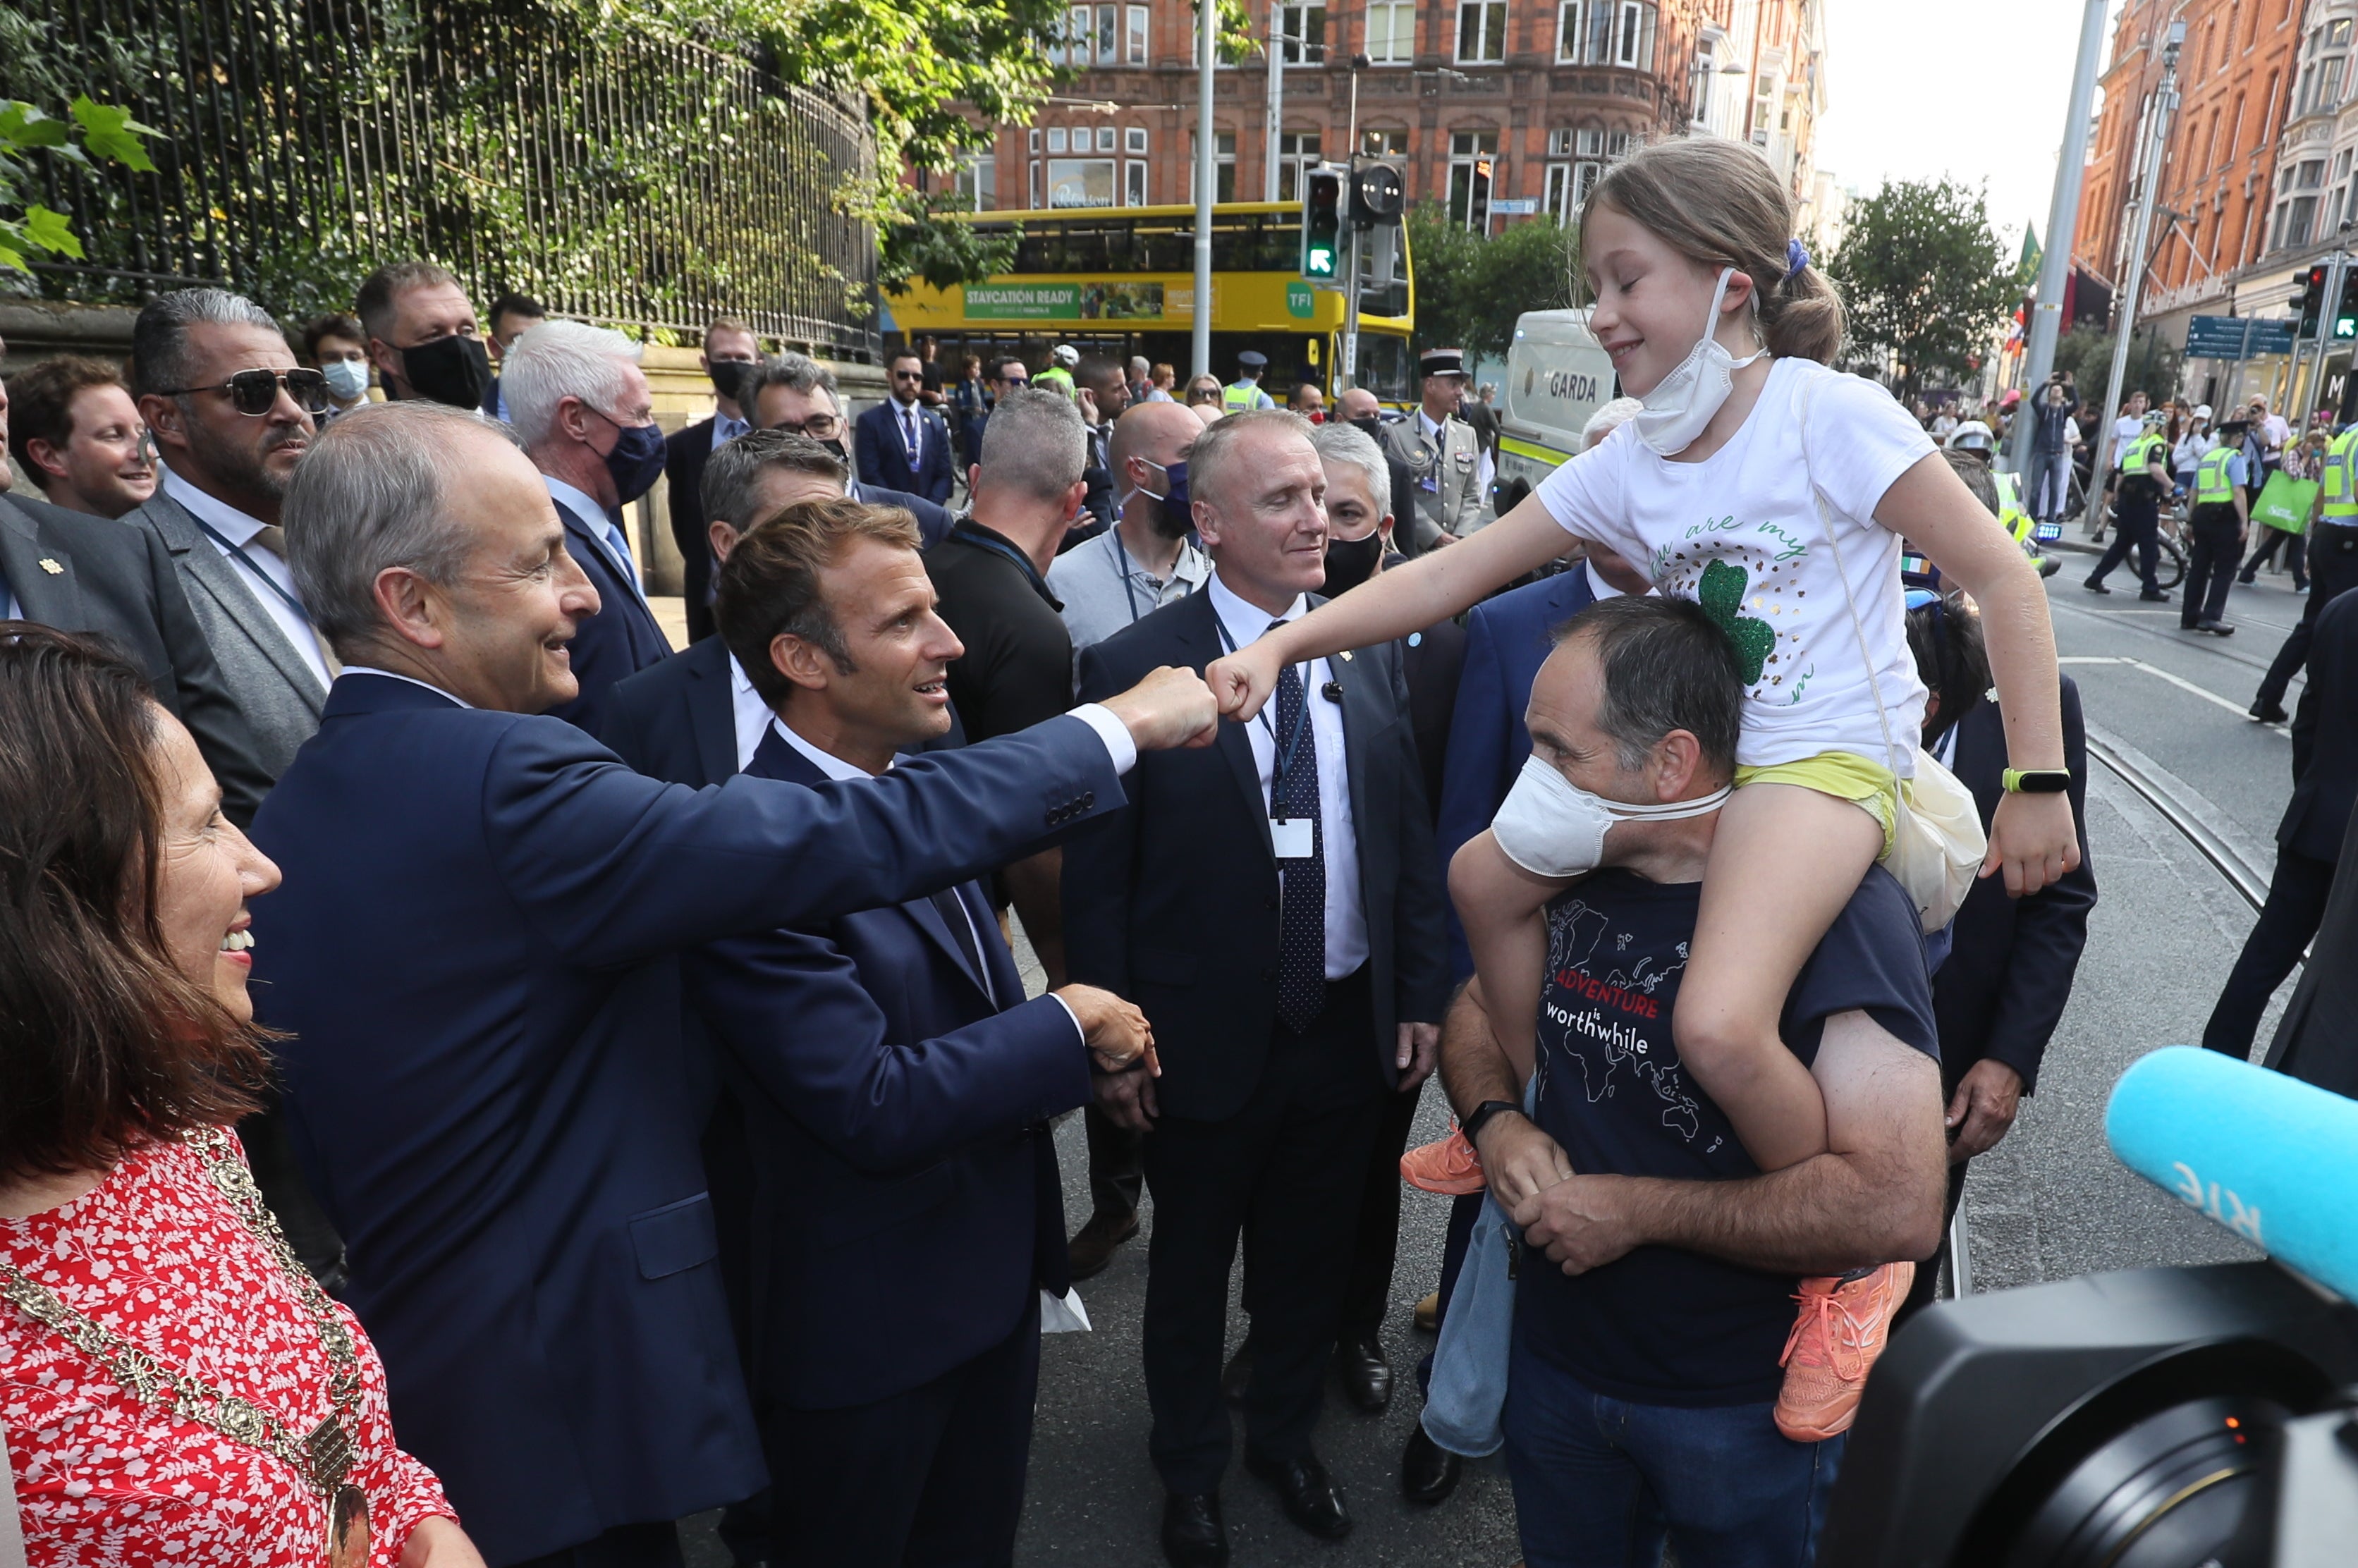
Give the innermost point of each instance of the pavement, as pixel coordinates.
(2047, 1203)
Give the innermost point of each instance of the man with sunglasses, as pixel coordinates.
(796, 393)
(900, 444)
(1004, 374)
(231, 413)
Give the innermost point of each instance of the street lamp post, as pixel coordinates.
(2164, 100)
(1207, 34)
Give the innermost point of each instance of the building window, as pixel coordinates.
(1039, 186)
(1567, 32)
(1383, 142)
(1473, 157)
(978, 181)
(1568, 185)
(1138, 25)
(1056, 138)
(1134, 140)
(1134, 183)
(1303, 24)
(1105, 139)
(2337, 32)
(1633, 39)
(1298, 154)
(1764, 107)
(1108, 35)
(1391, 31)
(1617, 144)
(1224, 163)
(1481, 31)
(1034, 136)
(1080, 182)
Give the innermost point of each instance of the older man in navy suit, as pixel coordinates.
(475, 957)
(900, 444)
(896, 1083)
(581, 405)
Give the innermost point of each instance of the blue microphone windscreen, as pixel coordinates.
(2272, 1159)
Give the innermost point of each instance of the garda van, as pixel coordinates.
(1556, 377)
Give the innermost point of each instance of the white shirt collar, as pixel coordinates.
(582, 504)
(833, 766)
(394, 675)
(1598, 587)
(227, 519)
(1426, 422)
(1246, 622)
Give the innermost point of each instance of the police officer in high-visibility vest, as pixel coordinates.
(1058, 376)
(1972, 439)
(2143, 480)
(1244, 394)
(2220, 521)
(2332, 567)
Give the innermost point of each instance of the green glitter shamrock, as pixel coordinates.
(1721, 593)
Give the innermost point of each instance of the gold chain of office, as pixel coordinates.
(323, 1456)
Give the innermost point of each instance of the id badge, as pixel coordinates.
(1295, 840)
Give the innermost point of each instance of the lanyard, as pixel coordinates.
(237, 553)
(1280, 757)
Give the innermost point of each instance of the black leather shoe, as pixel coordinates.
(1091, 1248)
(1367, 1376)
(1194, 1534)
(2268, 712)
(1428, 1471)
(1236, 1378)
(2216, 628)
(2155, 596)
(2092, 586)
(1311, 1499)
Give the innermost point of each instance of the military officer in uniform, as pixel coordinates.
(1244, 394)
(1442, 453)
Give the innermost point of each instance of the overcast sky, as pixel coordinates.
(1974, 92)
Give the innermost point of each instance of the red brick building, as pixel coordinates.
(1539, 93)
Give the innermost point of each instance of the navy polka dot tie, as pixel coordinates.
(1302, 911)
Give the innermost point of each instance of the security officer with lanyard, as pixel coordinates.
(1244, 394)
(2220, 521)
(2145, 478)
(1442, 453)
(2332, 567)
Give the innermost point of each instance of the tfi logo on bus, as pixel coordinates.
(1298, 302)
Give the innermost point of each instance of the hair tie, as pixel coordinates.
(1797, 256)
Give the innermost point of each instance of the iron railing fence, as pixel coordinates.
(613, 173)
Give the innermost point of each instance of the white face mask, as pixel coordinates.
(346, 379)
(1552, 828)
(1677, 410)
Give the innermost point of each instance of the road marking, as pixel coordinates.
(2203, 692)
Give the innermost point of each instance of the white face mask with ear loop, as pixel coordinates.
(1552, 828)
(1679, 408)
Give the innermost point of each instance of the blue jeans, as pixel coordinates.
(1601, 1483)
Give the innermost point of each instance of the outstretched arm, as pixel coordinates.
(2032, 837)
(1873, 1197)
(1433, 587)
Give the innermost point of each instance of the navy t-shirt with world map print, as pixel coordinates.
(1663, 1326)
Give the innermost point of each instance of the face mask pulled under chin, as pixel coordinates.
(1683, 402)
(1552, 828)
(1350, 562)
(455, 370)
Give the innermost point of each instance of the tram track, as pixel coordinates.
(2159, 794)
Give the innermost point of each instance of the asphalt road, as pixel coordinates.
(2047, 1203)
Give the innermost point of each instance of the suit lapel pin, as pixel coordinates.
(51, 567)
(1345, 656)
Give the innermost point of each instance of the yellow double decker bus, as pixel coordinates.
(1122, 281)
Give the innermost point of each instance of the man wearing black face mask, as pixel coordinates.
(731, 351)
(579, 404)
(422, 335)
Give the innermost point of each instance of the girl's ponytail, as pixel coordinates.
(1719, 203)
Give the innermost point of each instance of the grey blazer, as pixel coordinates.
(84, 574)
(278, 691)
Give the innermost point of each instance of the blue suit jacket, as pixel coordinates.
(1507, 640)
(475, 954)
(880, 458)
(906, 1201)
(2001, 990)
(621, 640)
(934, 520)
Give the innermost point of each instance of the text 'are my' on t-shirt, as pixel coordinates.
(1740, 533)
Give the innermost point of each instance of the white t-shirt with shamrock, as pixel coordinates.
(1740, 533)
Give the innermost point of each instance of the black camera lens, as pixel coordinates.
(2182, 1488)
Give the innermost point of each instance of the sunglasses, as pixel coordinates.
(255, 392)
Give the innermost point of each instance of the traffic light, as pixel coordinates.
(1322, 225)
(2345, 315)
(2312, 299)
(1376, 195)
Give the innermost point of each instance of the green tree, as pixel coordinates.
(95, 133)
(1923, 276)
(2087, 353)
(1470, 289)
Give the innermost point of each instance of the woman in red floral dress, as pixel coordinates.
(175, 1387)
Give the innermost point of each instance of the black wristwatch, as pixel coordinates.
(1472, 1126)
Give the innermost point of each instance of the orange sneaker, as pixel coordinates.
(1449, 1166)
(1843, 1326)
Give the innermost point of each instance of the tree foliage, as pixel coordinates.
(930, 244)
(96, 133)
(1470, 289)
(2087, 352)
(1923, 276)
